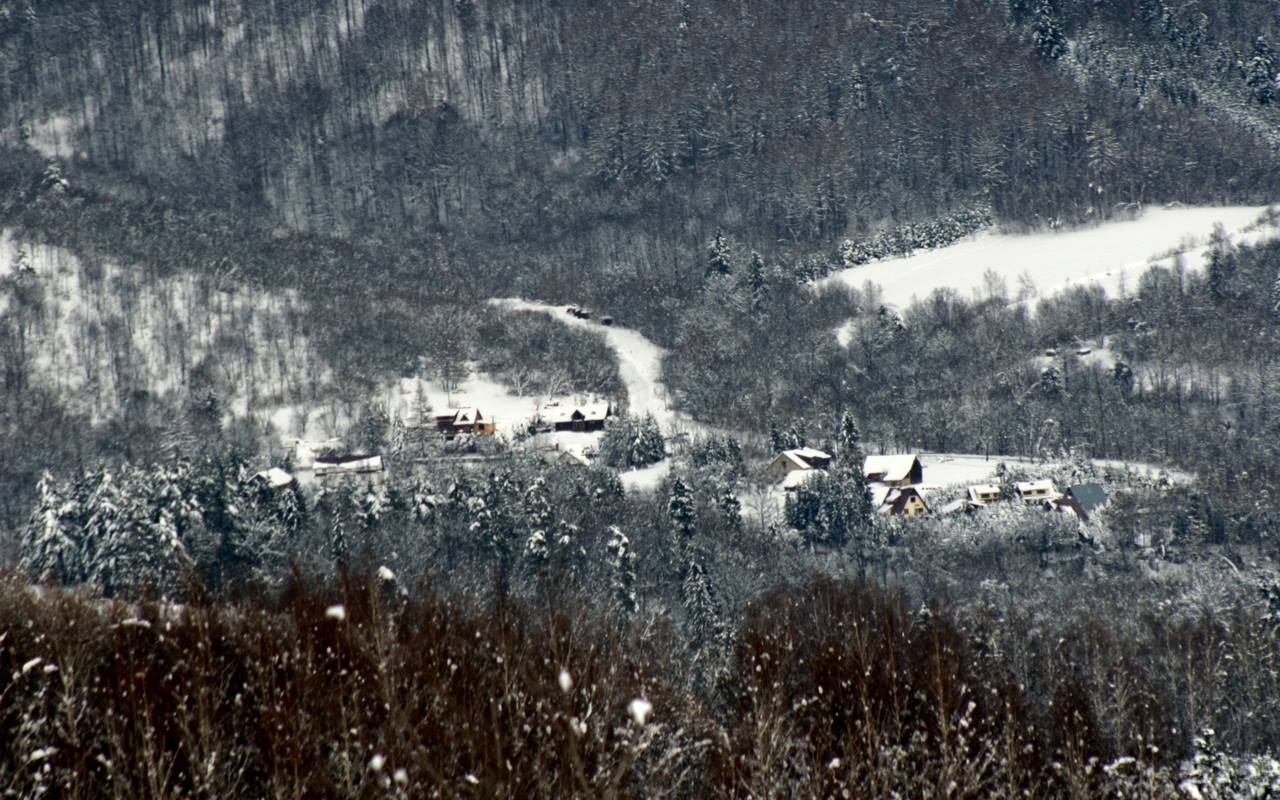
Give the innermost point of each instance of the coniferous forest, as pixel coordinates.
(227, 227)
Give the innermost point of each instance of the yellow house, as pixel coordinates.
(906, 501)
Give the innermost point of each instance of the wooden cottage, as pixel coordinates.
(463, 420)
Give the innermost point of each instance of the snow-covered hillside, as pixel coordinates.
(101, 333)
(1113, 255)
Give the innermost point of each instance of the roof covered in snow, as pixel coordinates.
(796, 478)
(588, 412)
(889, 468)
(981, 490)
(1044, 486)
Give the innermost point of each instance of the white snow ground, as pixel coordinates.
(1113, 255)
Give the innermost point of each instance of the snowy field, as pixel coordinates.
(1112, 255)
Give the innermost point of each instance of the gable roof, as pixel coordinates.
(894, 499)
(810, 454)
(890, 468)
(1090, 496)
(800, 458)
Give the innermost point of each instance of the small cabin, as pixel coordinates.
(1033, 492)
(798, 460)
(899, 470)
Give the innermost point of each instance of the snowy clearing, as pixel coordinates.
(1112, 255)
(639, 365)
(646, 479)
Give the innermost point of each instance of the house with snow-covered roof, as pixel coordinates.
(1033, 492)
(984, 493)
(800, 459)
(897, 470)
(586, 417)
(454, 421)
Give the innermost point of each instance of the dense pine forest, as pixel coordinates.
(216, 215)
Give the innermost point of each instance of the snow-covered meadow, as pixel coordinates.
(1113, 255)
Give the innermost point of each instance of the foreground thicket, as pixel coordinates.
(356, 690)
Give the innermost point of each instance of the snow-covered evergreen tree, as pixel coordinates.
(1050, 42)
(681, 511)
(622, 571)
(719, 256)
(1262, 73)
(49, 549)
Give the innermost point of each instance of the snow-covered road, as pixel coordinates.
(1113, 255)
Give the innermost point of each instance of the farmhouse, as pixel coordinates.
(589, 417)
(463, 420)
(901, 470)
(1032, 492)
(798, 460)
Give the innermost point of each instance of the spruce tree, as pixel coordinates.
(719, 256)
(681, 511)
(622, 570)
(1050, 42)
